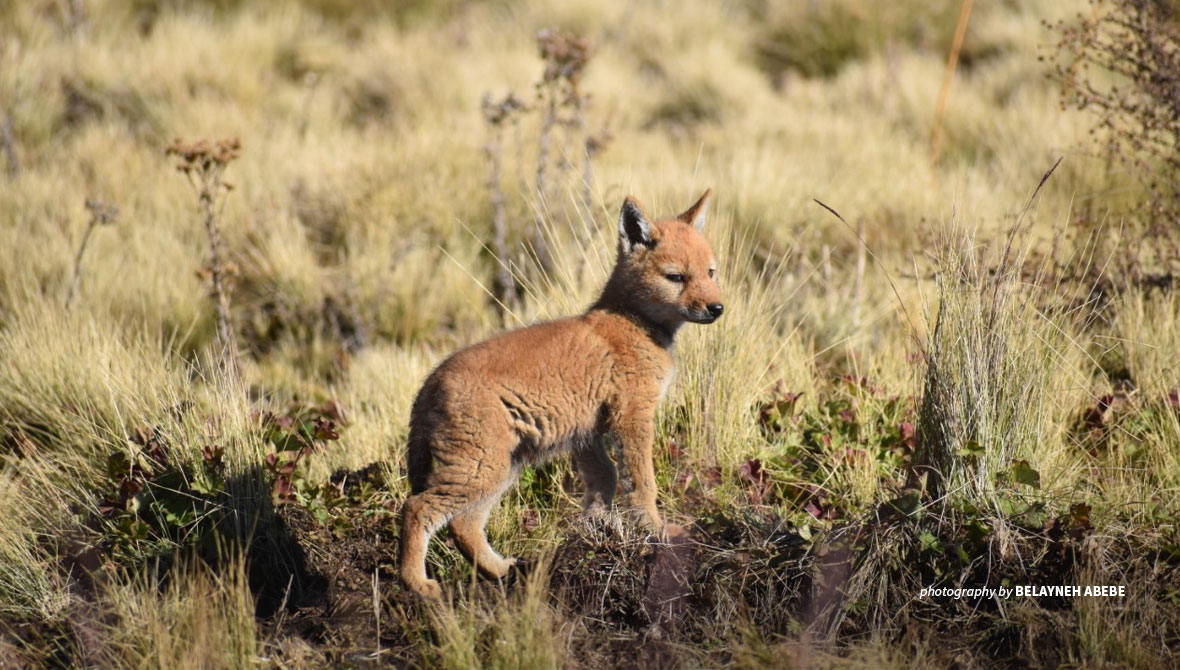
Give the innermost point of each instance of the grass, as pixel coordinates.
(992, 401)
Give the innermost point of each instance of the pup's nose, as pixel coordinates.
(716, 309)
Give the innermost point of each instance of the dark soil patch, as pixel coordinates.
(356, 570)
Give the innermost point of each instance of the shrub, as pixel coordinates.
(1123, 63)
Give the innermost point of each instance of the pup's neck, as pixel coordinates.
(618, 297)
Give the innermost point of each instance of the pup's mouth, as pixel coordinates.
(699, 317)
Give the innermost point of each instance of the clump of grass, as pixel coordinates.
(495, 628)
(204, 164)
(26, 591)
(990, 360)
(987, 390)
(197, 618)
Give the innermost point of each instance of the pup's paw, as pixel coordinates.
(428, 589)
(671, 531)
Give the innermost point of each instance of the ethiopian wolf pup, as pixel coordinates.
(555, 388)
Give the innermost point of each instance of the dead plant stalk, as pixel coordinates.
(204, 165)
(952, 63)
(497, 115)
(101, 214)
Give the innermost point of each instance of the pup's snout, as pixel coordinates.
(715, 309)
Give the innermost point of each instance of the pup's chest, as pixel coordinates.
(666, 382)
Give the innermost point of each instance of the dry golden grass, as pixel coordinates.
(360, 226)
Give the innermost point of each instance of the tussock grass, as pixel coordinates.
(495, 629)
(26, 590)
(991, 360)
(198, 619)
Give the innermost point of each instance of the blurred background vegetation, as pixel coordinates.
(976, 373)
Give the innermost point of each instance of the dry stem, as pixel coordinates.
(101, 214)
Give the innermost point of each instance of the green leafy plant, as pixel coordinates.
(295, 435)
(155, 504)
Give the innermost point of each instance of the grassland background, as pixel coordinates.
(361, 198)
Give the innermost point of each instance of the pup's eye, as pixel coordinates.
(673, 277)
(710, 273)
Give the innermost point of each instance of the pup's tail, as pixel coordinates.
(418, 461)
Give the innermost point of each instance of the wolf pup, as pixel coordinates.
(561, 387)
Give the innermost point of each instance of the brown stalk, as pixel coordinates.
(497, 114)
(204, 165)
(101, 214)
(952, 63)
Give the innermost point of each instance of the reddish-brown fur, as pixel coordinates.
(561, 387)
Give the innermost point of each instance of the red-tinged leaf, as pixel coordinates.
(1174, 398)
(861, 382)
(1098, 414)
(335, 412)
(282, 492)
(674, 452)
(325, 430)
(908, 434)
(143, 435)
(1080, 515)
(852, 456)
(129, 488)
(710, 477)
(751, 471)
(812, 509)
(155, 452)
(213, 455)
(847, 416)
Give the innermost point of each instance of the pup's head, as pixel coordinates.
(666, 267)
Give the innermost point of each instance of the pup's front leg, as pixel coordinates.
(637, 434)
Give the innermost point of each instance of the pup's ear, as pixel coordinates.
(695, 215)
(634, 227)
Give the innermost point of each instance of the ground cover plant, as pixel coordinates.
(947, 367)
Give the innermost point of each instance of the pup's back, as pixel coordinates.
(538, 389)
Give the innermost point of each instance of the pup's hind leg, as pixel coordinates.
(599, 476)
(467, 527)
(462, 489)
(423, 514)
